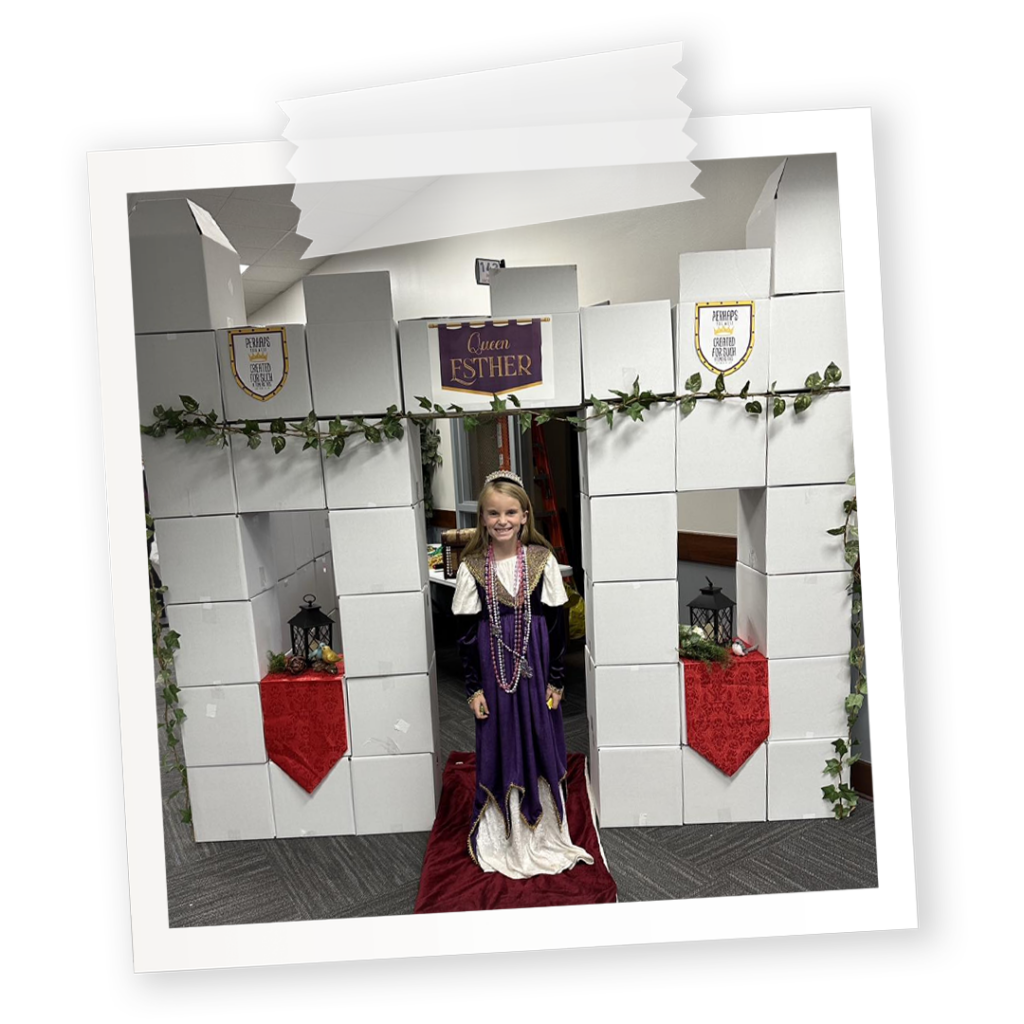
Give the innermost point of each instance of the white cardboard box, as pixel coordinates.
(785, 529)
(516, 290)
(709, 795)
(302, 527)
(379, 550)
(804, 615)
(323, 578)
(395, 793)
(797, 216)
(320, 528)
(185, 274)
(387, 634)
(393, 714)
(215, 558)
(187, 479)
(623, 342)
(291, 536)
(225, 642)
(562, 384)
(720, 446)
(807, 697)
(223, 725)
(327, 811)
(348, 298)
(231, 802)
(808, 333)
(814, 446)
(172, 365)
(633, 705)
(354, 367)
(368, 475)
(282, 542)
(629, 537)
(739, 347)
(639, 786)
(724, 276)
(796, 777)
(284, 342)
(628, 457)
(633, 623)
(269, 481)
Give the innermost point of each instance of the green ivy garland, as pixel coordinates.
(165, 643)
(843, 797)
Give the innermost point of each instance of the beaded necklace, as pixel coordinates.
(521, 617)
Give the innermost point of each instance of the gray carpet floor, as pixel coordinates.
(250, 882)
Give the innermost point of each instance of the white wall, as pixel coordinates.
(621, 257)
(708, 512)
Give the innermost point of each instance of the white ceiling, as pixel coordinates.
(261, 223)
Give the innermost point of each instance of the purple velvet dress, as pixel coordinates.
(521, 740)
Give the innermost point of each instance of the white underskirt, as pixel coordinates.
(544, 850)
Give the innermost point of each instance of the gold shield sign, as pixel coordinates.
(724, 335)
(259, 360)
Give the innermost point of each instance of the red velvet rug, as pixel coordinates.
(451, 881)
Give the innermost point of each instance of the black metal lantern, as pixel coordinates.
(712, 611)
(310, 627)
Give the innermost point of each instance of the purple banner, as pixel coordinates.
(490, 357)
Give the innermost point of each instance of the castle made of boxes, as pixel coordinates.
(243, 534)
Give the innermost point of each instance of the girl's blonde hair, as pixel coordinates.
(531, 535)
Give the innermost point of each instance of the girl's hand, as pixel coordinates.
(554, 697)
(479, 706)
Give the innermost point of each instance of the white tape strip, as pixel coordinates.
(402, 725)
(211, 710)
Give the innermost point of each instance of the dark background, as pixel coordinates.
(949, 221)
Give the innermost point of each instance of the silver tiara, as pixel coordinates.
(504, 474)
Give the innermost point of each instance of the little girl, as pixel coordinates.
(513, 657)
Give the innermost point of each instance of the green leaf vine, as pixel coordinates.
(843, 797)
(190, 424)
(165, 643)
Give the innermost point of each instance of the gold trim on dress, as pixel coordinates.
(506, 814)
(536, 560)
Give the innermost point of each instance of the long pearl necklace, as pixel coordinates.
(521, 618)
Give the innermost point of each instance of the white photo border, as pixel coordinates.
(158, 947)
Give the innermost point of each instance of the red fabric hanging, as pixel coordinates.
(727, 715)
(304, 724)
